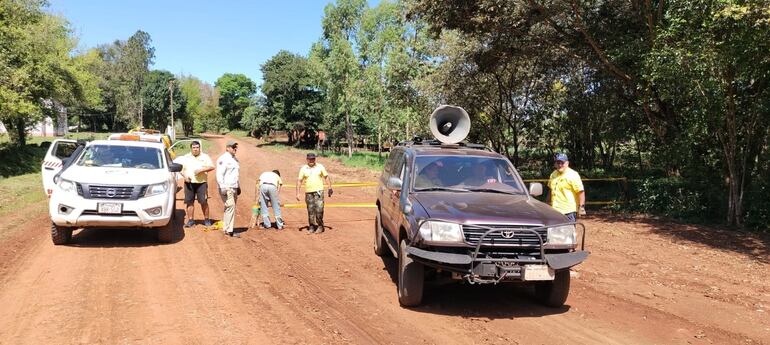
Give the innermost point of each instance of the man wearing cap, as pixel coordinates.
(313, 175)
(227, 178)
(567, 194)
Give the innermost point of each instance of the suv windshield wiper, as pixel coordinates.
(491, 190)
(440, 188)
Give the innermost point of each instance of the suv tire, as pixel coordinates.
(554, 293)
(60, 234)
(411, 278)
(166, 232)
(380, 248)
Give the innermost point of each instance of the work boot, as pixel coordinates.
(189, 223)
(320, 229)
(311, 229)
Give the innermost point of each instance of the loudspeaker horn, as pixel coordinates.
(450, 124)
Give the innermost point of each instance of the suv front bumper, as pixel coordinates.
(477, 267)
(72, 210)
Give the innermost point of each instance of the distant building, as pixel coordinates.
(46, 128)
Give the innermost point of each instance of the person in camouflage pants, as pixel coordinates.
(315, 211)
(312, 175)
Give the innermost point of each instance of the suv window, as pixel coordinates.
(118, 156)
(466, 172)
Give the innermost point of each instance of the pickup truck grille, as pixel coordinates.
(519, 238)
(110, 192)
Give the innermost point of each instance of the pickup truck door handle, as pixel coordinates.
(48, 168)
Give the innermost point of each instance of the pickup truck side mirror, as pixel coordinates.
(535, 189)
(394, 183)
(175, 167)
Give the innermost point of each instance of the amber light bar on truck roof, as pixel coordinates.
(136, 137)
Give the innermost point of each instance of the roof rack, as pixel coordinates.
(419, 142)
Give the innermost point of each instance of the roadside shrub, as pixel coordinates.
(757, 206)
(678, 198)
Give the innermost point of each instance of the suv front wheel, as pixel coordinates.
(411, 278)
(379, 246)
(554, 293)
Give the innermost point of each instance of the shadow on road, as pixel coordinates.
(504, 301)
(756, 246)
(128, 237)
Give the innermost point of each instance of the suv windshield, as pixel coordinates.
(118, 156)
(465, 173)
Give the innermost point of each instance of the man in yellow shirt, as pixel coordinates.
(195, 172)
(313, 176)
(567, 194)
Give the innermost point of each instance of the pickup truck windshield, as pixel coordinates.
(118, 156)
(470, 173)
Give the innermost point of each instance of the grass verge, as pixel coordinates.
(18, 192)
(360, 159)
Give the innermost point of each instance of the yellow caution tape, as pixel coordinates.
(337, 205)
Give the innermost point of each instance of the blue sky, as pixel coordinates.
(202, 38)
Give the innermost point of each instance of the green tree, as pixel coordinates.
(291, 103)
(132, 67)
(156, 98)
(35, 65)
(235, 92)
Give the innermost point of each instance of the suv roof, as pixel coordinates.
(436, 148)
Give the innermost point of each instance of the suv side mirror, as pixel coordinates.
(394, 183)
(175, 167)
(535, 189)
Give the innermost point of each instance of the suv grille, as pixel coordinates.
(473, 233)
(110, 192)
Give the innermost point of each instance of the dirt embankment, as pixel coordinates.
(646, 282)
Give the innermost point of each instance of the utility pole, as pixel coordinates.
(171, 90)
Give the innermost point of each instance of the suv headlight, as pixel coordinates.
(441, 231)
(67, 186)
(155, 189)
(561, 235)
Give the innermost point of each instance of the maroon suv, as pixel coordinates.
(462, 210)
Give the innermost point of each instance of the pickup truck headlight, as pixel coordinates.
(155, 189)
(441, 231)
(561, 235)
(67, 186)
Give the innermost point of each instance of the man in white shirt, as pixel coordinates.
(269, 188)
(227, 178)
(195, 172)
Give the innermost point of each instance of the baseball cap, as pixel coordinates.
(232, 143)
(561, 157)
(311, 155)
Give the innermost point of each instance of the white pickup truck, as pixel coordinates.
(127, 182)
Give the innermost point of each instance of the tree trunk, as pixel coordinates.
(349, 133)
(20, 126)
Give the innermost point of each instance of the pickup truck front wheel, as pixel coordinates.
(166, 232)
(60, 234)
(411, 278)
(554, 293)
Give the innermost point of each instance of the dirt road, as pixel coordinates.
(646, 282)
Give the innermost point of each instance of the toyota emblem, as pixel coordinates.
(110, 192)
(508, 234)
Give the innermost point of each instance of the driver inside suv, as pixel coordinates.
(429, 176)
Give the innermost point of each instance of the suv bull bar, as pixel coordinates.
(474, 268)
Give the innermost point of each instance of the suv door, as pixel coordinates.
(59, 150)
(390, 198)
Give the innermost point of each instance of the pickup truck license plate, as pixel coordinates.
(110, 207)
(538, 272)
